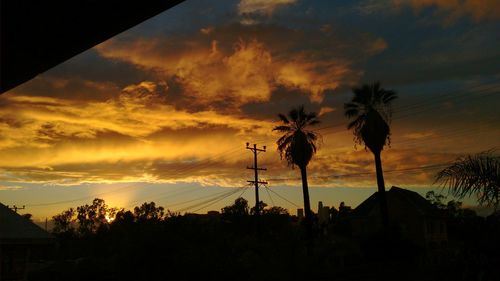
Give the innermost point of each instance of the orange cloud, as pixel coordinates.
(418, 135)
(235, 65)
(325, 110)
(10, 187)
(42, 132)
(138, 137)
(75, 88)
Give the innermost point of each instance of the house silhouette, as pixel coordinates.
(415, 218)
(21, 243)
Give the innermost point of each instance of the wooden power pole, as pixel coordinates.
(256, 169)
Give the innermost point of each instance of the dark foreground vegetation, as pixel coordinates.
(147, 244)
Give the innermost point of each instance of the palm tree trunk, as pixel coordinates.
(381, 190)
(307, 204)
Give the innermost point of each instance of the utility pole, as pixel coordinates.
(256, 169)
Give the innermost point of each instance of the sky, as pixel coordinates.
(162, 112)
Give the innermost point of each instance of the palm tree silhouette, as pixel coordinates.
(474, 175)
(297, 146)
(370, 108)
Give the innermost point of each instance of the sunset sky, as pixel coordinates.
(162, 111)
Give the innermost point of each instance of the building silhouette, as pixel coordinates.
(22, 243)
(323, 214)
(415, 218)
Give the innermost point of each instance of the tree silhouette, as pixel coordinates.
(370, 108)
(297, 146)
(477, 175)
(261, 205)
(92, 217)
(149, 212)
(62, 221)
(237, 210)
(276, 210)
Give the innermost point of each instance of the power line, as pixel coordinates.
(216, 199)
(79, 199)
(410, 113)
(200, 198)
(156, 197)
(453, 94)
(447, 135)
(425, 103)
(212, 203)
(368, 173)
(270, 198)
(277, 194)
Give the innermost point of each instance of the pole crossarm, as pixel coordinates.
(15, 208)
(260, 169)
(259, 182)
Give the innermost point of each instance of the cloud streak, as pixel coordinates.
(138, 137)
(262, 6)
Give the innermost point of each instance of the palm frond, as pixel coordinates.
(284, 139)
(349, 105)
(294, 115)
(367, 99)
(477, 175)
(314, 122)
(311, 116)
(358, 122)
(389, 96)
(282, 128)
(351, 112)
(377, 93)
(312, 136)
(297, 145)
(283, 118)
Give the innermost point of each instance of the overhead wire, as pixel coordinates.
(156, 197)
(269, 194)
(216, 201)
(282, 197)
(78, 199)
(368, 173)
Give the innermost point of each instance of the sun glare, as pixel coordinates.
(109, 219)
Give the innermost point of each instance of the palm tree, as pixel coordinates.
(371, 110)
(297, 146)
(477, 175)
